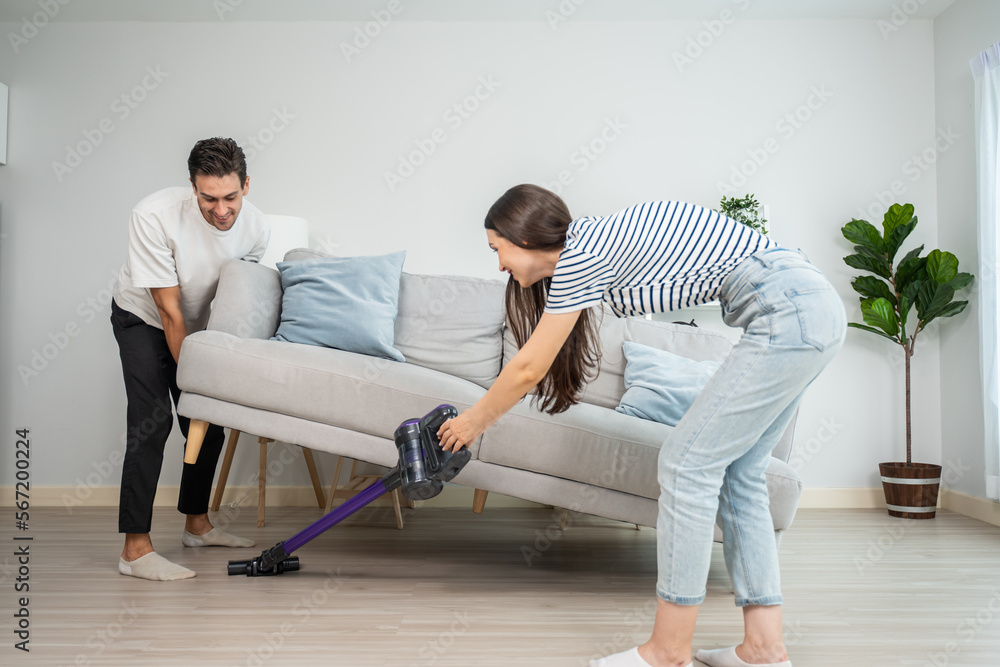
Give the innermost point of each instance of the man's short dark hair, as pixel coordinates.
(217, 157)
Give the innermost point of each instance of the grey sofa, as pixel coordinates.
(589, 459)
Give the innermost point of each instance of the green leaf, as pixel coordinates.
(909, 267)
(897, 236)
(932, 297)
(906, 301)
(913, 253)
(870, 287)
(912, 289)
(961, 281)
(873, 330)
(904, 311)
(880, 313)
(896, 215)
(942, 267)
(863, 233)
(952, 309)
(866, 262)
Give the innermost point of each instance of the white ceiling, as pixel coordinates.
(465, 10)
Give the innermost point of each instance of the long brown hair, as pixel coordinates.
(537, 219)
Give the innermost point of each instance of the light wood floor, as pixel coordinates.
(454, 588)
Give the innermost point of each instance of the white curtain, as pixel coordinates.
(986, 71)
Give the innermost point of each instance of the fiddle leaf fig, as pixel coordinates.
(863, 233)
(928, 283)
(870, 287)
(896, 216)
(881, 314)
(942, 267)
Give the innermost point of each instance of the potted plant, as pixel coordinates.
(744, 210)
(927, 283)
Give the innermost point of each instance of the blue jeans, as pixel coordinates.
(793, 323)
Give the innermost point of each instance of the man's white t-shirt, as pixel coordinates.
(170, 243)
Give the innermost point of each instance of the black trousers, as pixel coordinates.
(150, 374)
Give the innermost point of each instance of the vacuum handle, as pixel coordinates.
(429, 425)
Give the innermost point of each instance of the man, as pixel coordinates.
(178, 241)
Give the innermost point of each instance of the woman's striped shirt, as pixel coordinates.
(649, 258)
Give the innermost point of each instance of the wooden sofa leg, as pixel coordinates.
(334, 485)
(314, 476)
(227, 463)
(196, 437)
(479, 501)
(397, 509)
(262, 479)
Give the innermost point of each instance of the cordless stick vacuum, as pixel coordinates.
(421, 472)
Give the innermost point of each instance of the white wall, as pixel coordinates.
(679, 132)
(961, 32)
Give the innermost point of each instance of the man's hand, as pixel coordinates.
(168, 302)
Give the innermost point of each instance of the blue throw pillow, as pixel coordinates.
(349, 303)
(659, 385)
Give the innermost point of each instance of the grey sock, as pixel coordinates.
(726, 657)
(154, 567)
(215, 538)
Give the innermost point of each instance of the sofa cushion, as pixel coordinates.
(606, 449)
(353, 391)
(348, 303)
(607, 389)
(452, 324)
(586, 443)
(659, 385)
(248, 300)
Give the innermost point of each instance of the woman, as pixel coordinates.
(651, 258)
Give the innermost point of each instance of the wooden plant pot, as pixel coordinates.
(911, 491)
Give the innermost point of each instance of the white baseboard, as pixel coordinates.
(971, 506)
(454, 495)
(70, 497)
(843, 498)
